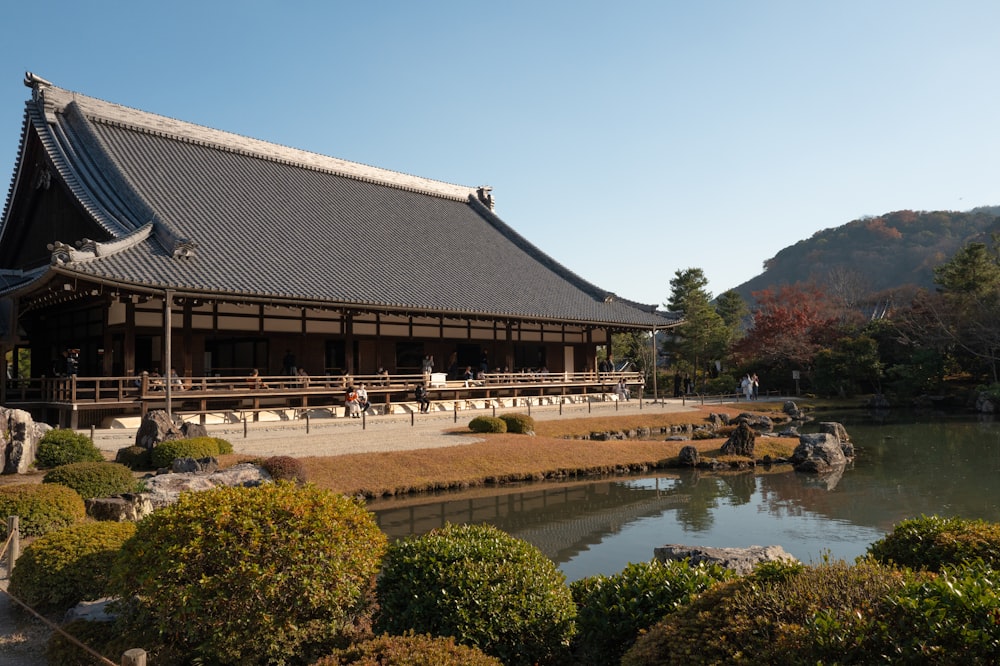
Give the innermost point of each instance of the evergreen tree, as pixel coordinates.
(704, 336)
(967, 311)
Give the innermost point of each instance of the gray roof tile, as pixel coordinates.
(278, 223)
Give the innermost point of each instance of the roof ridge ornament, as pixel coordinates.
(485, 194)
(179, 248)
(87, 249)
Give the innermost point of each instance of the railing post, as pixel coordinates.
(134, 657)
(14, 546)
(307, 423)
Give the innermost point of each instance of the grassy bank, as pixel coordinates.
(504, 458)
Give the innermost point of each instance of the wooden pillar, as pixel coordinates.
(128, 342)
(168, 306)
(187, 341)
(509, 352)
(349, 343)
(108, 359)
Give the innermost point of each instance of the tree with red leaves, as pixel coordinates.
(789, 327)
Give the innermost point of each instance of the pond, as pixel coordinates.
(906, 465)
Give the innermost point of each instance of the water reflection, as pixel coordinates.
(904, 468)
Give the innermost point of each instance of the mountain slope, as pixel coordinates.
(874, 254)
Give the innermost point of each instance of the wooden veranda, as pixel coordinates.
(77, 401)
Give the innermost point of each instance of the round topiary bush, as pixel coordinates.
(285, 468)
(487, 424)
(59, 570)
(482, 586)
(520, 424)
(164, 453)
(766, 617)
(932, 542)
(613, 610)
(271, 574)
(94, 479)
(61, 447)
(135, 457)
(41, 508)
(409, 650)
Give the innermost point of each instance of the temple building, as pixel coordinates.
(133, 242)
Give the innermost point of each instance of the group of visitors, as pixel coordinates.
(750, 386)
(356, 401)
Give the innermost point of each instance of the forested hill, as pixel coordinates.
(877, 253)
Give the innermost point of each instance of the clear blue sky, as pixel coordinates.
(627, 140)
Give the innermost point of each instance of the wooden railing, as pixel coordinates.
(202, 395)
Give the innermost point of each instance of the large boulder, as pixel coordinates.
(818, 453)
(838, 431)
(120, 508)
(792, 410)
(19, 437)
(741, 442)
(156, 427)
(164, 489)
(740, 560)
(688, 457)
(758, 422)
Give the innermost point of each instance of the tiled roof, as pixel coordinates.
(243, 217)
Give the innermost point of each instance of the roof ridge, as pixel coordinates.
(87, 249)
(101, 111)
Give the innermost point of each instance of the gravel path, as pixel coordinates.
(398, 432)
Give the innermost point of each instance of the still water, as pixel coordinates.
(906, 465)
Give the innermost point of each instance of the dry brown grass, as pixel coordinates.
(507, 458)
(651, 417)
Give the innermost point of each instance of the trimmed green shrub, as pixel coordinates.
(260, 575)
(41, 508)
(932, 542)
(62, 446)
(63, 568)
(944, 618)
(612, 610)
(519, 424)
(482, 586)
(487, 424)
(409, 650)
(135, 457)
(165, 453)
(763, 619)
(285, 468)
(94, 479)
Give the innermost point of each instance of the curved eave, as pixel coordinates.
(67, 271)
